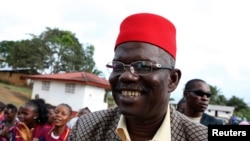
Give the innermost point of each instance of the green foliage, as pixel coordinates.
(238, 103)
(53, 50)
(108, 98)
(5, 47)
(14, 94)
(20, 89)
(67, 53)
(244, 113)
(217, 97)
(171, 99)
(241, 108)
(27, 54)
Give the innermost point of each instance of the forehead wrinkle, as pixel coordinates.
(137, 52)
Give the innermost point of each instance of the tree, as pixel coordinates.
(52, 51)
(244, 113)
(66, 52)
(238, 103)
(217, 97)
(171, 99)
(22, 54)
(241, 108)
(5, 47)
(108, 98)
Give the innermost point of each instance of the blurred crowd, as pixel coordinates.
(37, 120)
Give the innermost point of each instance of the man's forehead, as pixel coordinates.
(141, 51)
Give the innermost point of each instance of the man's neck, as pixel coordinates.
(192, 114)
(143, 130)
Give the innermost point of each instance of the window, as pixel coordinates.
(70, 88)
(45, 85)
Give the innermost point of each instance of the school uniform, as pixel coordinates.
(49, 136)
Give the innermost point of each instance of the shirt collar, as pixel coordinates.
(162, 134)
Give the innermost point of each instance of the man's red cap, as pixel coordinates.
(148, 28)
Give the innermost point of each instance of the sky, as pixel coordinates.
(212, 35)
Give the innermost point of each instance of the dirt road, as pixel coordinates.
(8, 96)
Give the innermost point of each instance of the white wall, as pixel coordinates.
(220, 114)
(92, 95)
(84, 96)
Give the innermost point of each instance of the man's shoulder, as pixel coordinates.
(108, 113)
(190, 124)
(212, 119)
(183, 127)
(194, 130)
(102, 115)
(102, 123)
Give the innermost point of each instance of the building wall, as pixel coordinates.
(84, 96)
(13, 78)
(220, 114)
(94, 98)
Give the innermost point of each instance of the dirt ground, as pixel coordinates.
(8, 96)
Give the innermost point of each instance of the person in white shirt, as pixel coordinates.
(81, 112)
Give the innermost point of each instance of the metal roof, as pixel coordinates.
(77, 77)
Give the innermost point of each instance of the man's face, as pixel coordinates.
(140, 96)
(82, 112)
(182, 107)
(196, 98)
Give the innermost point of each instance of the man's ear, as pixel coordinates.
(175, 76)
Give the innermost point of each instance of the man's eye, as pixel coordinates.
(143, 67)
(118, 67)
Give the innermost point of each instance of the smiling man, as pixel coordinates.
(143, 75)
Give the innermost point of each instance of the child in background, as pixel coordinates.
(60, 131)
(9, 122)
(33, 117)
(51, 114)
(2, 106)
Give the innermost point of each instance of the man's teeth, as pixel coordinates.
(131, 93)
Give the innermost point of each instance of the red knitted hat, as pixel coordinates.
(149, 28)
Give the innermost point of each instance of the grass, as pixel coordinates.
(24, 90)
(14, 94)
